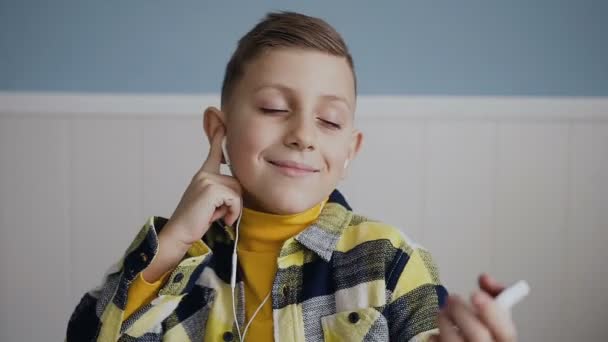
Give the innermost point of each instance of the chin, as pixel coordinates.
(289, 202)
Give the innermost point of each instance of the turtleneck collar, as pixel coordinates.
(263, 232)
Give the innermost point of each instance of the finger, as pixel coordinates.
(497, 320)
(226, 199)
(228, 181)
(434, 338)
(490, 285)
(234, 211)
(219, 213)
(214, 158)
(469, 325)
(447, 328)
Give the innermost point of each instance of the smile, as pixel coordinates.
(292, 169)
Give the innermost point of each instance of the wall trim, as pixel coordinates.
(411, 107)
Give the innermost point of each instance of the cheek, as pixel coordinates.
(250, 141)
(335, 157)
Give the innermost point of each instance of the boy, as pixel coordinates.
(309, 269)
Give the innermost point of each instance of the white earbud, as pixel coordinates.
(346, 163)
(225, 151)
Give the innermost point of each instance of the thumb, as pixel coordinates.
(490, 285)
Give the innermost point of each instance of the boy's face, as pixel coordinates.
(290, 128)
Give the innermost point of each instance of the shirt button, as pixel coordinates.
(228, 336)
(353, 317)
(143, 257)
(285, 291)
(178, 277)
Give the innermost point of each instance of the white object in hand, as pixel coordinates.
(513, 294)
(225, 151)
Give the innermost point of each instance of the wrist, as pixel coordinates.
(171, 251)
(171, 238)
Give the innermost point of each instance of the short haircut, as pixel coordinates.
(283, 30)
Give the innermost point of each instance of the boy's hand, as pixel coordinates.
(480, 320)
(210, 196)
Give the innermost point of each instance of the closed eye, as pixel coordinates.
(331, 124)
(271, 110)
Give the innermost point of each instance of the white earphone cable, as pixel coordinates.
(233, 285)
(233, 277)
(254, 314)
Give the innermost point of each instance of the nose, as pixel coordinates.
(302, 133)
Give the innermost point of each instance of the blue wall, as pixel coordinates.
(543, 47)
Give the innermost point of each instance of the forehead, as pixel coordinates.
(306, 73)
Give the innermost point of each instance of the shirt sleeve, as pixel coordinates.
(142, 292)
(416, 296)
(100, 314)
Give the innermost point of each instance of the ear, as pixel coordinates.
(356, 142)
(213, 119)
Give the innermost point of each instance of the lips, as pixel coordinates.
(293, 168)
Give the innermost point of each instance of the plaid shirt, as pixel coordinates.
(345, 277)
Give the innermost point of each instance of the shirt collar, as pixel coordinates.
(320, 237)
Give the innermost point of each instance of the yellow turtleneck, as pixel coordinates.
(261, 236)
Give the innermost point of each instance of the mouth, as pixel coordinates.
(292, 168)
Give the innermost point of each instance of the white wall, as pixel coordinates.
(514, 186)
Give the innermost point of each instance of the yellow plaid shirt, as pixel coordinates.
(344, 278)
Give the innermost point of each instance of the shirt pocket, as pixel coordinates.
(366, 324)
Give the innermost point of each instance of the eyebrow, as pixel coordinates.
(286, 89)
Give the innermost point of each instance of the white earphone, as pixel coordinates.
(346, 163)
(225, 151)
